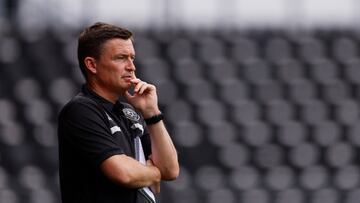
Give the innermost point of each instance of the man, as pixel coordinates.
(110, 153)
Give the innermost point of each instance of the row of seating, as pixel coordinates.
(257, 116)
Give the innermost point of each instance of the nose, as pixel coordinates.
(130, 66)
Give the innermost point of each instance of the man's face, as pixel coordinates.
(115, 67)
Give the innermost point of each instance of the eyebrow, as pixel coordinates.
(122, 55)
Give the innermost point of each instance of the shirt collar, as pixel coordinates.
(107, 104)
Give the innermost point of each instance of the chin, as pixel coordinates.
(123, 88)
(127, 87)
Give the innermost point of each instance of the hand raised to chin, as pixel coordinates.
(144, 98)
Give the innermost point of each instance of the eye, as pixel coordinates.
(119, 57)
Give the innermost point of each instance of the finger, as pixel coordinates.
(139, 85)
(128, 96)
(155, 188)
(149, 87)
(149, 162)
(135, 81)
(143, 88)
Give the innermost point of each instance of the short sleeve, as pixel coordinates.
(83, 126)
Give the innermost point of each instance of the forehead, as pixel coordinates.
(118, 46)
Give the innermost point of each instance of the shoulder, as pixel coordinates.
(80, 105)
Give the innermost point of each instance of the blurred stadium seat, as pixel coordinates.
(262, 116)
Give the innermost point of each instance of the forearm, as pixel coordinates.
(128, 172)
(164, 154)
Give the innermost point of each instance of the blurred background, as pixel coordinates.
(261, 97)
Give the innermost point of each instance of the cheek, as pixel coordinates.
(113, 71)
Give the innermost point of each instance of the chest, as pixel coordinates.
(122, 133)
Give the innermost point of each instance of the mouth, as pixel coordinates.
(127, 77)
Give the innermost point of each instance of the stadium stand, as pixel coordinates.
(258, 116)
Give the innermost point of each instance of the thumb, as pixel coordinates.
(128, 96)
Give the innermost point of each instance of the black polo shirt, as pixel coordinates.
(92, 129)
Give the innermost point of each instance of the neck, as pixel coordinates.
(103, 92)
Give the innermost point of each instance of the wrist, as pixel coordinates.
(154, 119)
(150, 113)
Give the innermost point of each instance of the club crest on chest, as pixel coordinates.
(131, 114)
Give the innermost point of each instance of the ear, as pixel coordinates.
(90, 64)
